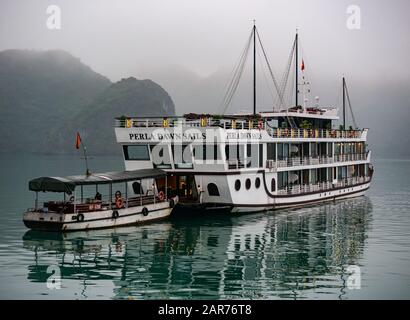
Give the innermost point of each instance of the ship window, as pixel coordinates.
(271, 151)
(257, 183)
(273, 185)
(237, 185)
(136, 152)
(213, 189)
(248, 184)
(182, 156)
(282, 179)
(160, 156)
(136, 186)
(281, 153)
(235, 152)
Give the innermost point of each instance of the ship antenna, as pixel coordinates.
(254, 68)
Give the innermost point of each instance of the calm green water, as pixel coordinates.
(304, 253)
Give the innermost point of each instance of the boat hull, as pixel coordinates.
(281, 202)
(49, 221)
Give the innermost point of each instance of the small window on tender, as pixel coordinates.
(136, 152)
(136, 186)
(213, 189)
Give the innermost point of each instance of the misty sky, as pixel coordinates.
(114, 37)
(191, 46)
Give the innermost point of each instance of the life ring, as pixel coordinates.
(144, 211)
(161, 195)
(115, 214)
(117, 194)
(171, 203)
(119, 203)
(80, 217)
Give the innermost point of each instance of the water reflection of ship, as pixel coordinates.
(297, 250)
(259, 256)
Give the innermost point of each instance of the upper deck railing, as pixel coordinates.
(238, 123)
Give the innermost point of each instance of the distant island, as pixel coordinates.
(47, 96)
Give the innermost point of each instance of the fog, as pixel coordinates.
(190, 47)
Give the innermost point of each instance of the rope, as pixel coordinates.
(238, 70)
(270, 69)
(350, 107)
(285, 76)
(265, 77)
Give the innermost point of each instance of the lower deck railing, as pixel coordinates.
(322, 186)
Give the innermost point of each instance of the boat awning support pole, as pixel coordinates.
(110, 196)
(126, 194)
(141, 191)
(82, 195)
(36, 201)
(75, 196)
(166, 187)
(153, 190)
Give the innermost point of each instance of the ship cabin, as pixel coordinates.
(301, 146)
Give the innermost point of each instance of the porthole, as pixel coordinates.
(257, 183)
(237, 185)
(213, 189)
(248, 184)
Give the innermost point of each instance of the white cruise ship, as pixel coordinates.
(289, 156)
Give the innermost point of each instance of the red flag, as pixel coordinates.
(302, 67)
(78, 141)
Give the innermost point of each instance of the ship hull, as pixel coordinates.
(279, 202)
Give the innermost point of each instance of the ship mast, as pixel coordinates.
(344, 103)
(254, 68)
(296, 68)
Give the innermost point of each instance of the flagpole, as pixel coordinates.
(87, 172)
(77, 145)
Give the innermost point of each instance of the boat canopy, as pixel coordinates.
(68, 184)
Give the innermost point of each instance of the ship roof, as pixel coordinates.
(68, 184)
(313, 112)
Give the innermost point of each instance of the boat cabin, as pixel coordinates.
(102, 191)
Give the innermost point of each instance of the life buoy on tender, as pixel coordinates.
(119, 203)
(80, 217)
(115, 214)
(161, 195)
(144, 211)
